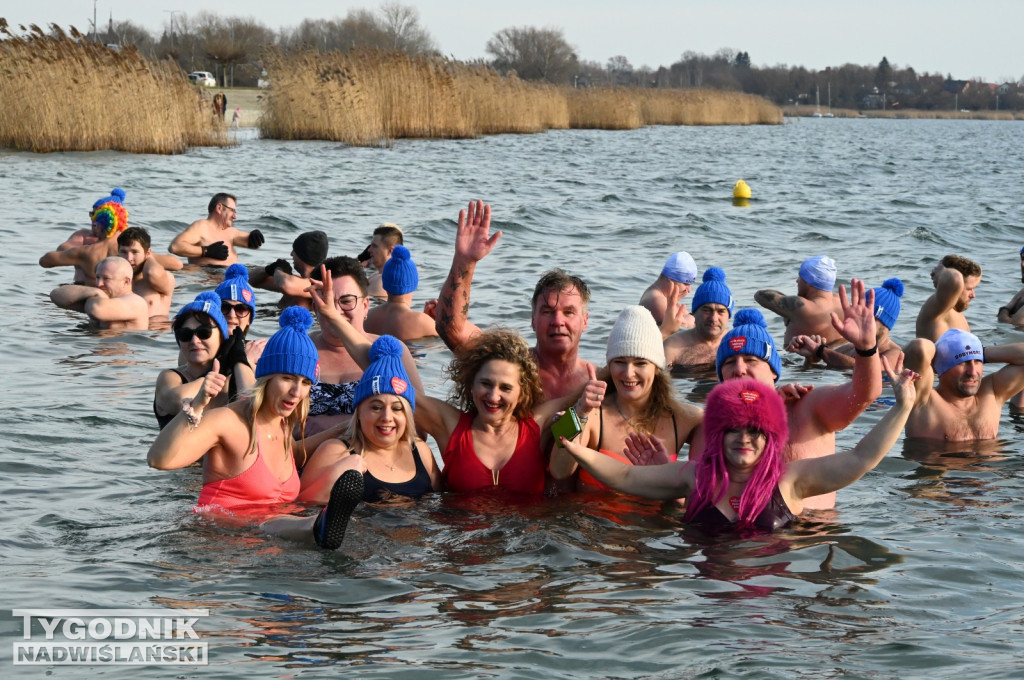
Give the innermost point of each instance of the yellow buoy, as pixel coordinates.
(741, 190)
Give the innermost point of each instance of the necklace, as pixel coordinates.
(628, 420)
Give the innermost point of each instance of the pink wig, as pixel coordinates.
(736, 404)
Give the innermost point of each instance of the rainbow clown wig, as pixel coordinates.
(110, 219)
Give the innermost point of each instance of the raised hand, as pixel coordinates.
(233, 352)
(256, 238)
(430, 308)
(806, 346)
(473, 240)
(792, 392)
(858, 322)
(281, 264)
(593, 394)
(216, 251)
(645, 449)
(213, 384)
(902, 380)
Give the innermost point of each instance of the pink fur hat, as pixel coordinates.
(745, 402)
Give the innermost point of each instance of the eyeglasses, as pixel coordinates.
(201, 332)
(241, 309)
(348, 302)
(228, 207)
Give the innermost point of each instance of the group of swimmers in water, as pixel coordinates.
(336, 417)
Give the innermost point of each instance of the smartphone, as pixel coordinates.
(568, 426)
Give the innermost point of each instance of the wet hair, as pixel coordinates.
(734, 404)
(390, 234)
(354, 434)
(256, 394)
(962, 264)
(559, 280)
(134, 235)
(504, 345)
(662, 403)
(343, 265)
(219, 198)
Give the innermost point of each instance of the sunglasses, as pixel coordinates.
(185, 334)
(240, 309)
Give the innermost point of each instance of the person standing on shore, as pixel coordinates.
(213, 240)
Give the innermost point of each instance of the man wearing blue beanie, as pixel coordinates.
(887, 311)
(809, 312)
(396, 317)
(712, 306)
(748, 351)
(965, 406)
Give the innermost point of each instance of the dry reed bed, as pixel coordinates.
(69, 94)
(372, 97)
(905, 114)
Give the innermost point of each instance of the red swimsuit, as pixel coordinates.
(523, 473)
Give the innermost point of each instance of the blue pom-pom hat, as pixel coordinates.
(749, 335)
(290, 350)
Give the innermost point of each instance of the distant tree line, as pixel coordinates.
(230, 48)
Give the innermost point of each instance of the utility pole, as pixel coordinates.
(172, 12)
(95, 28)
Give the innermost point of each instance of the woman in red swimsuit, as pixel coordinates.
(640, 399)
(741, 480)
(249, 456)
(492, 440)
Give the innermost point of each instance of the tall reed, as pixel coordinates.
(372, 97)
(66, 93)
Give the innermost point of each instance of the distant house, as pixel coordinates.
(1006, 88)
(871, 101)
(956, 86)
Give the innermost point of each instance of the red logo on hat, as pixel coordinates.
(316, 373)
(749, 396)
(737, 343)
(247, 295)
(399, 385)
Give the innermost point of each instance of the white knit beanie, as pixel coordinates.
(636, 334)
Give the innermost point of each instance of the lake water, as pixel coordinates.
(915, 574)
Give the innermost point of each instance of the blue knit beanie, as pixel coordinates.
(680, 267)
(290, 350)
(713, 290)
(386, 373)
(207, 303)
(116, 196)
(749, 335)
(820, 272)
(887, 302)
(399, 275)
(236, 286)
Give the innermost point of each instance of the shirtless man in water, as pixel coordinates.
(955, 279)
(748, 351)
(150, 280)
(712, 308)
(965, 406)
(559, 307)
(396, 317)
(678, 274)
(109, 304)
(213, 239)
(1013, 312)
(810, 310)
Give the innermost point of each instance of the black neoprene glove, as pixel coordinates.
(216, 251)
(281, 264)
(233, 353)
(364, 256)
(256, 238)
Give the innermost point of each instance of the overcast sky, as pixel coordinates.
(964, 38)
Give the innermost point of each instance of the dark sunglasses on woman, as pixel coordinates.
(241, 309)
(185, 334)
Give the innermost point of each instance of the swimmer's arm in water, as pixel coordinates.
(188, 243)
(587, 404)
(949, 285)
(169, 262)
(786, 306)
(111, 310)
(290, 284)
(62, 258)
(75, 296)
(181, 443)
(473, 242)
(814, 476)
(157, 276)
(1005, 314)
(662, 482)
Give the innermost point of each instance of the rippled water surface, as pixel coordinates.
(916, 573)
